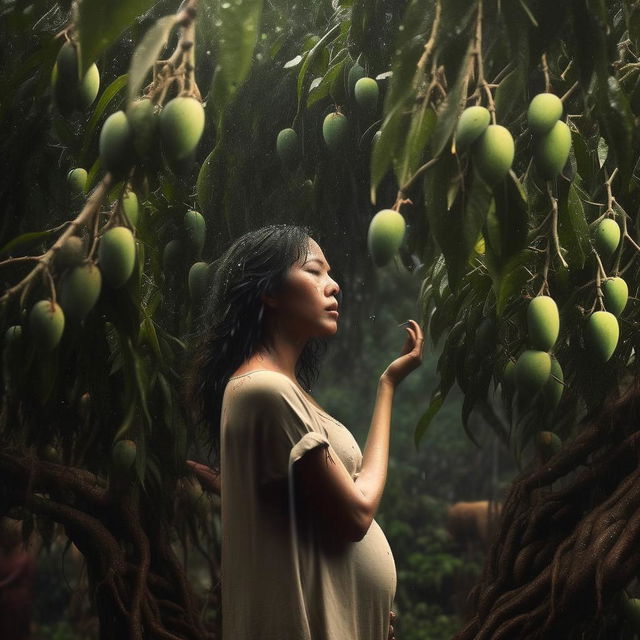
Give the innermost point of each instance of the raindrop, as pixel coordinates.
(226, 5)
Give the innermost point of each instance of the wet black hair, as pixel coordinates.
(230, 329)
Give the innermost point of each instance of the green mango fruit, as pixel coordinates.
(69, 91)
(181, 127)
(70, 254)
(131, 207)
(355, 73)
(335, 129)
(172, 255)
(544, 111)
(123, 456)
(46, 324)
(607, 237)
(195, 230)
(493, 153)
(385, 235)
(12, 352)
(631, 608)
(288, 147)
(486, 336)
(602, 334)
(198, 280)
(552, 150)
(50, 454)
(143, 120)
(116, 144)
(509, 375)
(117, 255)
(555, 386)
(366, 94)
(472, 124)
(533, 369)
(547, 444)
(88, 89)
(77, 180)
(13, 334)
(543, 323)
(65, 78)
(79, 289)
(616, 295)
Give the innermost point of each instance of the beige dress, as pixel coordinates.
(283, 576)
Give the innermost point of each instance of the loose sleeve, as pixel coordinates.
(284, 431)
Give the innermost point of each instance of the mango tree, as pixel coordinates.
(489, 148)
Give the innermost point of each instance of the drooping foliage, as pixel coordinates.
(540, 200)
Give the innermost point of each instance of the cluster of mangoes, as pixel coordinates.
(552, 137)
(603, 331)
(80, 283)
(190, 243)
(335, 127)
(536, 370)
(491, 145)
(70, 92)
(130, 137)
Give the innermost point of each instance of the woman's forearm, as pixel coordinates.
(375, 459)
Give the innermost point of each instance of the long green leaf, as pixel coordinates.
(391, 135)
(107, 96)
(308, 61)
(424, 422)
(411, 155)
(100, 23)
(237, 29)
(24, 241)
(147, 52)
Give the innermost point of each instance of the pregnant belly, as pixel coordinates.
(374, 563)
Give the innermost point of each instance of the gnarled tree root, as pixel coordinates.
(569, 537)
(140, 588)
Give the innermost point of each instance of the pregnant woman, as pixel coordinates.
(302, 556)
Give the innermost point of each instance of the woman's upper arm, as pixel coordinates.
(325, 485)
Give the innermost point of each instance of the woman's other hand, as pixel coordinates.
(410, 356)
(392, 619)
(209, 479)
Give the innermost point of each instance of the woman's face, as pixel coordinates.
(308, 291)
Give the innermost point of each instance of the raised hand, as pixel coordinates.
(410, 356)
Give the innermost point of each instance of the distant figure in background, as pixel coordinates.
(471, 526)
(17, 572)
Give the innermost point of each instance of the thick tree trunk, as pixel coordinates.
(569, 537)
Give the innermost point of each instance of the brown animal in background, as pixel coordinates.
(472, 524)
